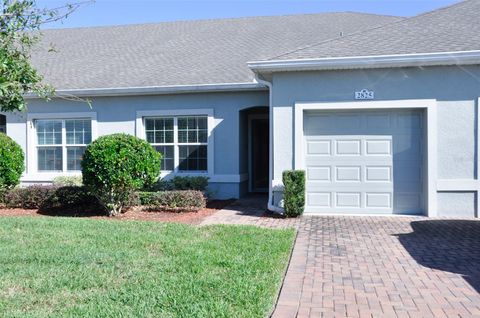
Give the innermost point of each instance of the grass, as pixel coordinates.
(65, 267)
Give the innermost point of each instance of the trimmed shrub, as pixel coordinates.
(177, 201)
(3, 192)
(48, 197)
(68, 181)
(198, 183)
(32, 197)
(294, 192)
(115, 166)
(11, 162)
(160, 185)
(71, 197)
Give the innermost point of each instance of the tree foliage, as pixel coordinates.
(11, 162)
(20, 22)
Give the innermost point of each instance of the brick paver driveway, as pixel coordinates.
(383, 267)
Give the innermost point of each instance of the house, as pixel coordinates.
(381, 111)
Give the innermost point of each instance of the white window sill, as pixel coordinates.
(48, 176)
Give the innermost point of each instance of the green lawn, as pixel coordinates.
(66, 267)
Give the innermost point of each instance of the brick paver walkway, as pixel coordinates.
(251, 210)
(383, 267)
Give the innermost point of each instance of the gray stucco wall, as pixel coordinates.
(457, 204)
(118, 114)
(456, 90)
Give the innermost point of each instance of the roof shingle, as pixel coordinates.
(450, 29)
(184, 52)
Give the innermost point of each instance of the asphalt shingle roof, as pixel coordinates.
(449, 29)
(184, 52)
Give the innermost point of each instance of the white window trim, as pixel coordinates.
(32, 172)
(430, 107)
(140, 132)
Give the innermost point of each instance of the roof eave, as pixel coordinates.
(156, 90)
(366, 62)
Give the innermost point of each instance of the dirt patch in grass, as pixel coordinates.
(136, 213)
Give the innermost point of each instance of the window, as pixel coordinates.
(159, 132)
(182, 140)
(62, 143)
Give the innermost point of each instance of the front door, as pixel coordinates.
(259, 140)
(3, 124)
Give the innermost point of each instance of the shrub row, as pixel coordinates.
(114, 168)
(48, 197)
(198, 183)
(51, 197)
(178, 201)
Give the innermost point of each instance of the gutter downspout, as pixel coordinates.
(270, 205)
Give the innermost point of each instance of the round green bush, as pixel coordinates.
(115, 166)
(11, 162)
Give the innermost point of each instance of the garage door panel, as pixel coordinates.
(353, 186)
(348, 199)
(322, 173)
(348, 147)
(378, 173)
(344, 161)
(319, 199)
(319, 147)
(369, 162)
(378, 200)
(348, 173)
(378, 147)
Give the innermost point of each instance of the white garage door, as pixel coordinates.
(364, 162)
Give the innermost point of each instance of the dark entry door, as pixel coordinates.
(3, 124)
(260, 154)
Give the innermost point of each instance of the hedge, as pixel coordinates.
(294, 192)
(48, 197)
(177, 201)
(198, 183)
(43, 197)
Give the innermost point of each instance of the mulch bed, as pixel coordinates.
(132, 214)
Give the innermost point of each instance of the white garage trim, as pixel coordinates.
(429, 105)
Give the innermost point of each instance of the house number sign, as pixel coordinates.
(364, 94)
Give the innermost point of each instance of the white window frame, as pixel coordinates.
(140, 132)
(32, 154)
(173, 144)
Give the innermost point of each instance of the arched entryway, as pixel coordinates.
(3, 124)
(254, 136)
